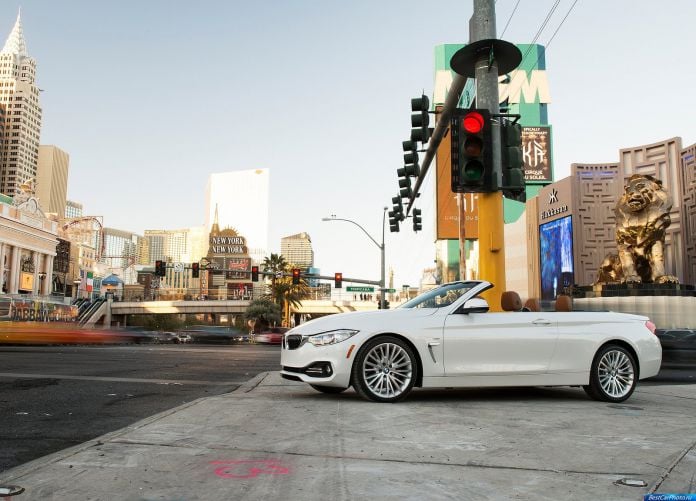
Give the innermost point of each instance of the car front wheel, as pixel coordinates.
(613, 375)
(385, 370)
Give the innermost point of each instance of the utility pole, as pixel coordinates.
(485, 58)
(490, 205)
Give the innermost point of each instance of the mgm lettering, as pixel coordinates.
(227, 245)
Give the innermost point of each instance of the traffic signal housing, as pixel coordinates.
(472, 152)
(338, 280)
(396, 215)
(295, 276)
(254, 273)
(195, 270)
(511, 155)
(417, 220)
(160, 268)
(420, 119)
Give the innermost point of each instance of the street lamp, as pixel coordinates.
(381, 248)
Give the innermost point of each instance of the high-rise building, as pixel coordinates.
(187, 245)
(19, 98)
(52, 179)
(297, 250)
(241, 200)
(73, 209)
(121, 253)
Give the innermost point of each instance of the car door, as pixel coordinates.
(506, 343)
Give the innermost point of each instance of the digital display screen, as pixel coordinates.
(556, 256)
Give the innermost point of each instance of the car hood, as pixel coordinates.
(359, 320)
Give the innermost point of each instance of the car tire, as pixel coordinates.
(384, 370)
(614, 374)
(328, 389)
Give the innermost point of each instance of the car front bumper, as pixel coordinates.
(328, 365)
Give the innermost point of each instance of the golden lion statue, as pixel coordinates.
(642, 216)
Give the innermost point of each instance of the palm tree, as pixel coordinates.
(281, 290)
(263, 313)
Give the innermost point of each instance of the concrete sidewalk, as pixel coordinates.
(274, 439)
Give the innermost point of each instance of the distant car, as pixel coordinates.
(185, 338)
(167, 337)
(446, 337)
(274, 335)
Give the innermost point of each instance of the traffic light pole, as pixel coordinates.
(490, 205)
(382, 297)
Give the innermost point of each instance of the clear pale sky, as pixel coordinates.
(150, 97)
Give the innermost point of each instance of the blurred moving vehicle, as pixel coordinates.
(273, 335)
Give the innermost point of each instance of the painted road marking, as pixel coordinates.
(120, 379)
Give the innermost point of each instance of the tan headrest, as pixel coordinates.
(563, 303)
(510, 301)
(532, 304)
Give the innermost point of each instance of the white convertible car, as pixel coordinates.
(447, 338)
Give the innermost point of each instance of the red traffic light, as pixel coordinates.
(338, 280)
(254, 273)
(295, 276)
(473, 122)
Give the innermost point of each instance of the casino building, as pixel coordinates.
(571, 225)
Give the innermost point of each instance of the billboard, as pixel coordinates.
(556, 256)
(536, 153)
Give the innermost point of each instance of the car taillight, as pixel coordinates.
(650, 326)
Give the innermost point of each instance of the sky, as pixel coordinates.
(151, 97)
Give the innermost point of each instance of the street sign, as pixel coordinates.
(390, 291)
(360, 289)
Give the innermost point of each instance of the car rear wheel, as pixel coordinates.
(328, 389)
(385, 370)
(613, 376)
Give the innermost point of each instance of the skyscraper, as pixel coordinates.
(19, 97)
(52, 179)
(241, 198)
(297, 250)
(188, 245)
(73, 209)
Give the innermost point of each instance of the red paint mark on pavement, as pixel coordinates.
(249, 468)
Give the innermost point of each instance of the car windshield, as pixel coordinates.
(441, 296)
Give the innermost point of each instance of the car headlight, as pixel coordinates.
(331, 337)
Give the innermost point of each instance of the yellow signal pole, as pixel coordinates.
(491, 246)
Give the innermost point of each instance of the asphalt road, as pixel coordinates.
(56, 397)
(53, 397)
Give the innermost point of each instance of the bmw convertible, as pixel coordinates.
(447, 337)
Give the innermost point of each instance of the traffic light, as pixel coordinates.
(411, 166)
(160, 268)
(295, 276)
(511, 154)
(417, 220)
(396, 215)
(195, 270)
(472, 152)
(254, 273)
(338, 280)
(420, 119)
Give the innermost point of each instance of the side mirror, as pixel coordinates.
(475, 305)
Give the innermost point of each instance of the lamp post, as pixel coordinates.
(381, 248)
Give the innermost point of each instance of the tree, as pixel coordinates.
(264, 313)
(281, 289)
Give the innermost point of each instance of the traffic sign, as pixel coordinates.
(360, 289)
(178, 267)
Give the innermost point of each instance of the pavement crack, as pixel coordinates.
(671, 467)
(470, 464)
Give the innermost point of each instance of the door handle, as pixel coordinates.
(542, 321)
(433, 343)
